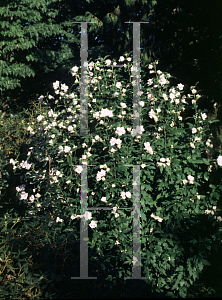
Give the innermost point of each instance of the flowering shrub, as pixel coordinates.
(174, 212)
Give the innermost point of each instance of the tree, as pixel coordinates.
(29, 43)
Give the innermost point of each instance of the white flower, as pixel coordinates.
(70, 128)
(118, 85)
(120, 131)
(185, 181)
(20, 188)
(123, 195)
(121, 58)
(172, 124)
(172, 96)
(25, 165)
(150, 81)
(67, 149)
(39, 118)
(190, 178)
(93, 224)
(106, 112)
(219, 160)
(152, 114)
(59, 220)
(139, 93)
(165, 96)
(56, 85)
(150, 67)
(114, 210)
(79, 169)
(148, 148)
(128, 194)
(64, 87)
(194, 130)
(108, 62)
(50, 113)
(87, 215)
(123, 105)
(118, 142)
(112, 141)
(139, 130)
(135, 260)
(103, 199)
(23, 196)
(204, 116)
(75, 69)
(180, 86)
(194, 91)
(91, 65)
(162, 79)
(31, 198)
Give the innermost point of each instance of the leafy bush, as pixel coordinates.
(16, 279)
(178, 222)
